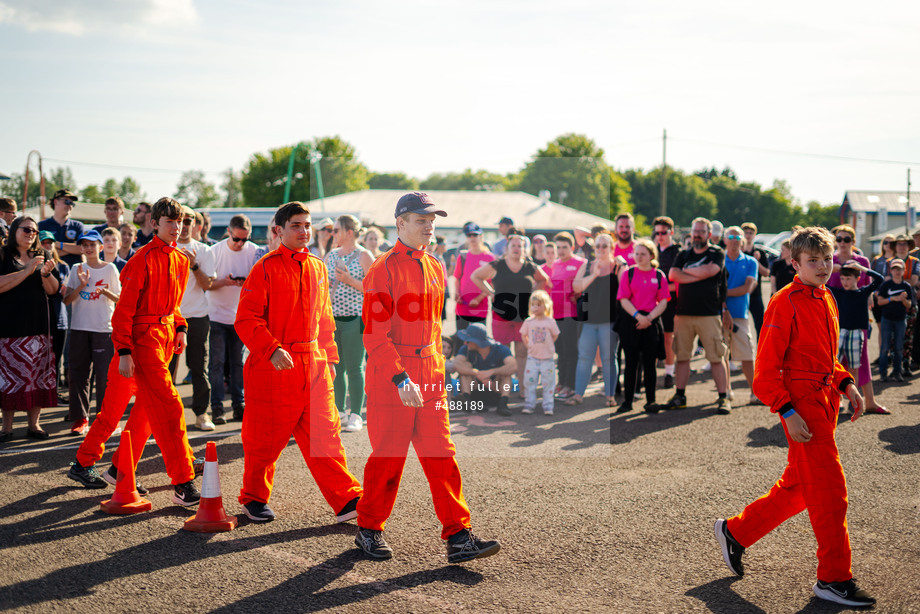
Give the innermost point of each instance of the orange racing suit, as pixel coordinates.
(797, 368)
(285, 304)
(403, 295)
(144, 325)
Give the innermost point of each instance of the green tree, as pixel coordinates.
(817, 214)
(574, 165)
(92, 194)
(195, 191)
(392, 181)
(128, 189)
(232, 188)
(265, 174)
(467, 180)
(688, 196)
(55, 179)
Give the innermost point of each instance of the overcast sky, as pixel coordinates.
(426, 87)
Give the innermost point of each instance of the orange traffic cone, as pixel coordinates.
(211, 517)
(126, 499)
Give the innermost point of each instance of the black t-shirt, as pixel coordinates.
(24, 310)
(598, 304)
(666, 258)
(762, 261)
(895, 310)
(784, 273)
(703, 297)
(512, 290)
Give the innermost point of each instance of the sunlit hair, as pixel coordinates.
(663, 220)
(564, 236)
(240, 222)
(166, 207)
(288, 210)
(624, 216)
(111, 232)
(650, 246)
(844, 228)
(702, 220)
(116, 200)
(610, 239)
(811, 240)
(543, 297)
(350, 222)
(749, 226)
(188, 212)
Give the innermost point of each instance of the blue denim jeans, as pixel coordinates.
(889, 329)
(594, 336)
(223, 339)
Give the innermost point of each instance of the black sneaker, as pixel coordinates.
(186, 494)
(652, 408)
(257, 511)
(898, 377)
(503, 409)
(111, 476)
(88, 476)
(624, 407)
(723, 406)
(731, 549)
(218, 419)
(373, 544)
(238, 412)
(883, 377)
(678, 401)
(668, 381)
(846, 593)
(464, 546)
(349, 512)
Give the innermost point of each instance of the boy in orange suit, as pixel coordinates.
(285, 319)
(406, 400)
(147, 329)
(798, 375)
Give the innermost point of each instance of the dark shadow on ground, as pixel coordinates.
(719, 597)
(307, 591)
(901, 439)
(152, 556)
(628, 426)
(762, 437)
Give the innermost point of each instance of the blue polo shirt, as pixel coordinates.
(69, 232)
(738, 272)
(493, 360)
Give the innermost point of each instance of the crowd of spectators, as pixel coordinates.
(530, 311)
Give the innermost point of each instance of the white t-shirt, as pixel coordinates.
(222, 303)
(91, 311)
(195, 301)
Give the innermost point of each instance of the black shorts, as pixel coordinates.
(667, 318)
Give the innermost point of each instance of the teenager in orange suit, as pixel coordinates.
(406, 400)
(147, 329)
(285, 319)
(798, 375)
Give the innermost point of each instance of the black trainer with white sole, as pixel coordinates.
(731, 549)
(111, 476)
(186, 494)
(465, 546)
(373, 544)
(257, 511)
(349, 512)
(844, 593)
(88, 476)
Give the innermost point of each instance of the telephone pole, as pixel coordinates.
(664, 173)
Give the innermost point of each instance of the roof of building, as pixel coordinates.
(872, 201)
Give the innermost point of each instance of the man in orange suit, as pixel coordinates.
(406, 400)
(798, 375)
(285, 319)
(147, 329)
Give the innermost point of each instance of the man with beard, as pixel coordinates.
(144, 222)
(624, 228)
(701, 292)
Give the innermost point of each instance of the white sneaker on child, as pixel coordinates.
(354, 424)
(527, 410)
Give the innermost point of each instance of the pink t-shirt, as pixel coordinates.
(562, 293)
(468, 290)
(644, 292)
(626, 252)
(540, 335)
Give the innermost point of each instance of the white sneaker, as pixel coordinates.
(754, 400)
(354, 424)
(203, 422)
(706, 367)
(734, 366)
(527, 410)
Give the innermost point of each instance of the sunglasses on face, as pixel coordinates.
(844, 239)
(661, 233)
(733, 237)
(30, 231)
(186, 222)
(239, 239)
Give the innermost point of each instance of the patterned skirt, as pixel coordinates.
(26, 373)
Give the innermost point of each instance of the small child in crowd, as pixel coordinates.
(895, 297)
(853, 304)
(798, 375)
(539, 332)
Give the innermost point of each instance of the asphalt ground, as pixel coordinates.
(596, 512)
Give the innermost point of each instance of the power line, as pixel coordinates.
(799, 153)
(130, 168)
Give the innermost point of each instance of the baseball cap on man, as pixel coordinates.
(506, 220)
(477, 334)
(64, 193)
(90, 235)
(471, 228)
(417, 202)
